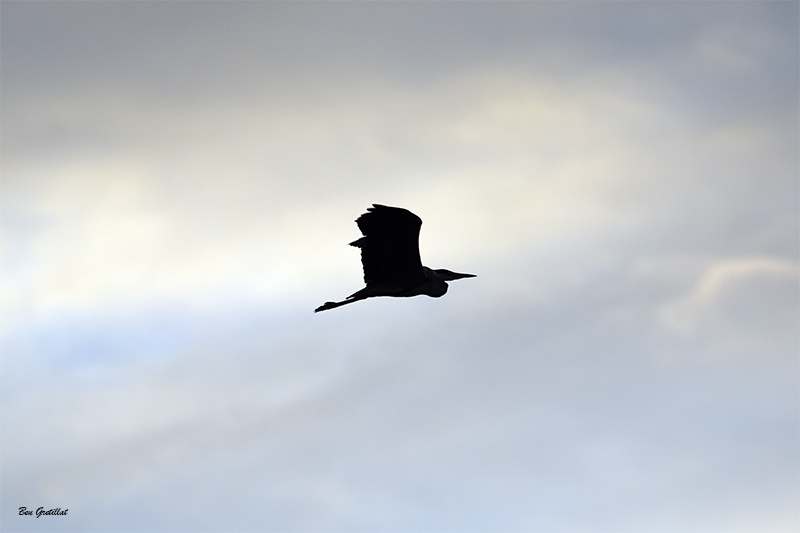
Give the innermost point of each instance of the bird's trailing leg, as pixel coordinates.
(334, 305)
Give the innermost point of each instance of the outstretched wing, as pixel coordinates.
(390, 247)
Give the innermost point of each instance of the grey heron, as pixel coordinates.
(390, 257)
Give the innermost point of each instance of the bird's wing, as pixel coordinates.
(390, 246)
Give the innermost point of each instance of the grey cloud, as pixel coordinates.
(179, 185)
(242, 43)
(536, 416)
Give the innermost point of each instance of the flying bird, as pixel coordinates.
(390, 257)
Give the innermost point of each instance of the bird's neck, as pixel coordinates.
(435, 286)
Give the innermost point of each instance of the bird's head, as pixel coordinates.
(449, 275)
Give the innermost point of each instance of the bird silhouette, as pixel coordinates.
(390, 257)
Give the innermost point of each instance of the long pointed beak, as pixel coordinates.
(449, 275)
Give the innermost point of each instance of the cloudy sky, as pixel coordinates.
(179, 185)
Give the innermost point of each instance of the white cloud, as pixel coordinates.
(750, 305)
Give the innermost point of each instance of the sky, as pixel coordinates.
(179, 185)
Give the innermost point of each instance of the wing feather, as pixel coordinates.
(390, 247)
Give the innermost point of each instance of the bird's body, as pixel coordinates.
(390, 257)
